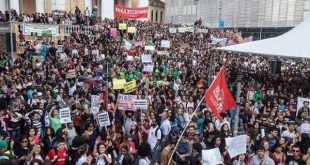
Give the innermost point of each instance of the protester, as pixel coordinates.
(81, 73)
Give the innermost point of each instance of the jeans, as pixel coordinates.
(156, 154)
(14, 133)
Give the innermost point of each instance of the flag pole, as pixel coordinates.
(236, 118)
(185, 129)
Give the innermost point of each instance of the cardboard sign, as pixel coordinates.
(113, 32)
(305, 128)
(300, 103)
(181, 30)
(122, 26)
(118, 83)
(132, 30)
(141, 104)
(149, 47)
(172, 30)
(236, 145)
(125, 102)
(146, 58)
(130, 86)
(211, 157)
(65, 115)
(165, 43)
(148, 68)
(104, 119)
(95, 100)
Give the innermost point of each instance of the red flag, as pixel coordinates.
(218, 97)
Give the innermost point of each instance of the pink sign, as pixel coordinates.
(113, 32)
(139, 43)
(126, 102)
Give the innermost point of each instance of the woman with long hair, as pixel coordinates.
(49, 139)
(35, 154)
(91, 134)
(135, 134)
(32, 136)
(278, 155)
(100, 154)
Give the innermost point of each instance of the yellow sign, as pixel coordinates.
(132, 29)
(118, 83)
(130, 86)
(122, 26)
(181, 30)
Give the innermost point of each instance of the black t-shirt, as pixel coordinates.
(20, 152)
(292, 161)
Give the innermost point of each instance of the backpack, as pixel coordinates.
(159, 129)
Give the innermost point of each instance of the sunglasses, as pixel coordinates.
(24, 141)
(296, 151)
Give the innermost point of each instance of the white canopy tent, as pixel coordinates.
(294, 43)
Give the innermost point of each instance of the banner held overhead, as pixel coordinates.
(131, 12)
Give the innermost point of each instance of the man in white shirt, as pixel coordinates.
(290, 133)
(154, 139)
(165, 127)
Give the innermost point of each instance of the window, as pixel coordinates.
(156, 16)
(152, 15)
(161, 16)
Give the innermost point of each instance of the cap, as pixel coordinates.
(39, 93)
(3, 144)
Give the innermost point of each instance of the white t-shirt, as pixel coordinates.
(165, 127)
(82, 160)
(152, 138)
(144, 161)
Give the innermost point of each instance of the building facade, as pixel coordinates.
(105, 8)
(238, 13)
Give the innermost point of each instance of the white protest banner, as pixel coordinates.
(95, 100)
(40, 28)
(216, 40)
(148, 68)
(236, 145)
(125, 102)
(146, 58)
(104, 119)
(65, 115)
(300, 103)
(149, 47)
(129, 58)
(305, 128)
(127, 44)
(165, 43)
(190, 29)
(211, 157)
(140, 104)
(172, 30)
(202, 30)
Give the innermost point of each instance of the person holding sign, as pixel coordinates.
(54, 119)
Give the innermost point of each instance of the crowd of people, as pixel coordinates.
(33, 90)
(86, 17)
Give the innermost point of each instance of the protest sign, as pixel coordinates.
(127, 44)
(130, 12)
(300, 103)
(71, 74)
(211, 157)
(122, 26)
(113, 32)
(163, 53)
(165, 43)
(181, 30)
(104, 119)
(118, 83)
(305, 128)
(132, 30)
(65, 115)
(148, 67)
(129, 58)
(236, 145)
(146, 58)
(60, 48)
(95, 100)
(190, 29)
(139, 43)
(125, 102)
(130, 86)
(140, 104)
(172, 30)
(149, 47)
(202, 30)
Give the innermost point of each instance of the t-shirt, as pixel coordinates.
(152, 138)
(55, 123)
(144, 161)
(62, 154)
(292, 161)
(82, 160)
